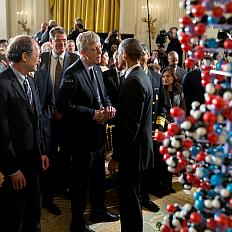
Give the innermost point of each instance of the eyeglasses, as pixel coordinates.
(97, 48)
(60, 40)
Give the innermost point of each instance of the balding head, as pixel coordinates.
(173, 59)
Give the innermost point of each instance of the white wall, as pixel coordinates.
(3, 21)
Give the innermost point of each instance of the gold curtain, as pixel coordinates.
(98, 15)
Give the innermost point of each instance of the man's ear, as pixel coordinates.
(24, 56)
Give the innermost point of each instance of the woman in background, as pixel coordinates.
(173, 96)
(104, 65)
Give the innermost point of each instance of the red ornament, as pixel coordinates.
(200, 29)
(218, 102)
(166, 156)
(159, 136)
(171, 208)
(206, 76)
(212, 137)
(199, 54)
(187, 143)
(201, 156)
(189, 62)
(206, 68)
(177, 112)
(163, 150)
(229, 7)
(186, 47)
(222, 220)
(184, 38)
(198, 11)
(209, 118)
(228, 44)
(211, 223)
(173, 129)
(204, 83)
(217, 12)
(165, 228)
(190, 178)
(205, 185)
(185, 20)
(195, 218)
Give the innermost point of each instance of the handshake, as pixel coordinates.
(104, 114)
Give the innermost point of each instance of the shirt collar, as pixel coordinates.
(128, 71)
(60, 56)
(18, 74)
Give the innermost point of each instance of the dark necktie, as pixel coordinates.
(95, 85)
(28, 91)
(121, 81)
(58, 75)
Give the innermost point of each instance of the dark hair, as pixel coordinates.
(173, 28)
(3, 41)
(55, 30)
(176, 84)
(132, 47)
(19, 45)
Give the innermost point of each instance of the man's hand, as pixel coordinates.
(1, 179)
(113, 166)
(45, 162)
(110, 112)
(18, 180)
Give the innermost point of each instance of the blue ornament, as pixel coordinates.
(229, 187)
(212, 20)
(211, 43)
(199, 204)
(216, 180)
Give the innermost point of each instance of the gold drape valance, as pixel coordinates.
(98, 15)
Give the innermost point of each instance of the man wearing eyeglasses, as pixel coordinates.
(55, 63)
(84, 104)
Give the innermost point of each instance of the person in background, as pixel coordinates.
(39, 34)
(104, 64)
(71, 47)
(158, 121)
(55, 63)
(76, 30)
(3, 60)
(174, 96)
(85, 106)
(175, 45)
(45, 36)
(21, 143)
(133, 150)
(173, 60)
(3, 44)
(46, 47)
(1, 179)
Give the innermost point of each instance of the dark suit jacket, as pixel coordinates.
(77, 101)
(111, 82)
(158, 105)
(45, 63)
(180, 72)
(47, 101)
(134, 146)
(20, 130)
(192, 88)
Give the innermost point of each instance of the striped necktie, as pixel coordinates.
(28, 91)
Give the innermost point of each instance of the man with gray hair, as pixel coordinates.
(133, 150)
(85, 107)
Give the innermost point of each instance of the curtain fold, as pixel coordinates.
(98, 15)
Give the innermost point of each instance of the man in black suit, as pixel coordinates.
(192, 87)
(173, 60)
(85, 106)
(133, 151)
(55, 63)
(21, 144)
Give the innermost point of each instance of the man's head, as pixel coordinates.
(89, 47)
(58, 39)
(70, 47)
(173, 33)
(52, 23)
(23, 51)
(173, 59)
(130, 51)
(78, 24)
(44, 27)
(145, 56)
(3, 43)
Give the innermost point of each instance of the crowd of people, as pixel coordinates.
(57, 93)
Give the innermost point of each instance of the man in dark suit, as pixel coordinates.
(173, 60)
(192, 87)
(85, 106)
(133, 151)
(21, 144)
(158, 120)
(55, 63)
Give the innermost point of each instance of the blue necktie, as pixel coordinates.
(95, 85)
(28, 91)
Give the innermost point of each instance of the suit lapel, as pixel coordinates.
(66, 61)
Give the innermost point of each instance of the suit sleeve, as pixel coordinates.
(8, 163)
(67, 100)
